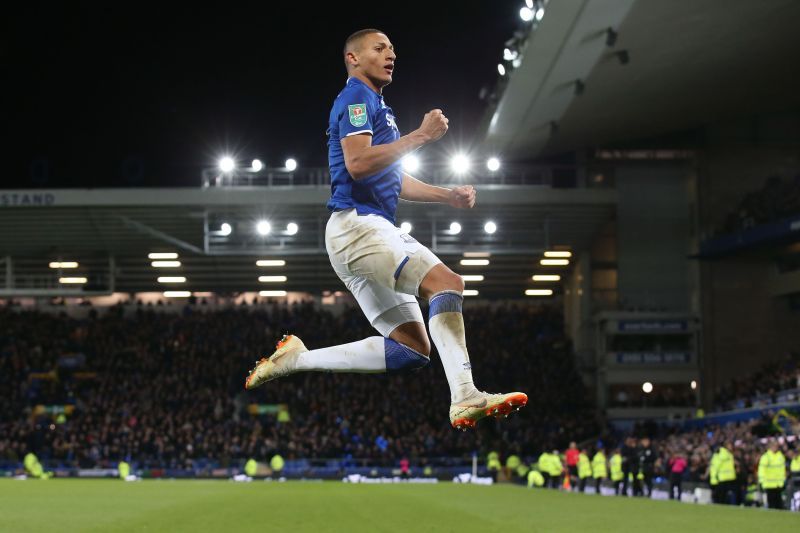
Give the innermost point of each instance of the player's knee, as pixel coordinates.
(421, 345)
(402, 358)
(455, 282)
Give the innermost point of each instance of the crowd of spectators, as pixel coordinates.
(671, 456)
(761, 387)
(777, 199)
(166, 389)
(697, 446)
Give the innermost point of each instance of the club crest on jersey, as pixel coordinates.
(358, 114)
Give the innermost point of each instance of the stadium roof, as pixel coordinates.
(668, 66)
(113, 231)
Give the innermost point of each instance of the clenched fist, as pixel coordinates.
(434, 125)
(462, 197)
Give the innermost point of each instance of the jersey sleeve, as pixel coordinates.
(354, 113)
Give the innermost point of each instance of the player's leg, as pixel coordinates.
(402, 346)
(360, 257)
(444, 289)
(413, 335)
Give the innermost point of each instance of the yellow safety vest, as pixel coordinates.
(544, 463)
(616, 467)
(33, 466)
(251, 467)
(556, 466)
(124, 469)
(599, 465)
(535, 479)
(493, 461)
(795, 465)
(584, 466)
(276, 463)
(772, 470)
(713, 469)
(513, 462)
(726, 468)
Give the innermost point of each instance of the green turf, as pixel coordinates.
(109, 505)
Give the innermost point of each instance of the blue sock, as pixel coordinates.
(445, 302)
(400, 358)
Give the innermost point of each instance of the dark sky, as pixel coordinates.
(137, 94)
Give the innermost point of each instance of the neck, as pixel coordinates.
(367, 81)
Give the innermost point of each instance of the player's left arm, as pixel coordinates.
(414, 190)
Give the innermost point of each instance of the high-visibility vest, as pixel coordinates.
(544, 463)
(550, 464)
(615, 465)
(124, 469)
(726, 468)
(584, 466)
(750, 495)
(772, 470)
(513, 462)
(535, 479)
(493, 461)
(794, 467)
(522, 470)
(599, 468)
(32, 465)
(251, 467)
(556, 466)
(713, 469)
(29, 461)
(276, 463)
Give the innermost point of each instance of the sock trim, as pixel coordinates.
(445, 302)
(400, 357)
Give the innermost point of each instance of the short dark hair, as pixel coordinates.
(358, 35)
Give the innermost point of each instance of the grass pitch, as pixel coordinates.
(161, 505)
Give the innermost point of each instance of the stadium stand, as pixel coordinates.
(166, 389)
(775, 382)
(777, 199)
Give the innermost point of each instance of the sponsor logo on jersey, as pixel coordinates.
(390, 121)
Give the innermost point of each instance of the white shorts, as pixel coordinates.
(382, 266)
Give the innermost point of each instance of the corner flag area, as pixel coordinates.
(106, 505)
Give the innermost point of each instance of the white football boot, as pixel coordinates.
(282, 362)
(466, 413)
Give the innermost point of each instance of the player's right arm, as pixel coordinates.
(362, 159)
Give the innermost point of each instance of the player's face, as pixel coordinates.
(376, 59)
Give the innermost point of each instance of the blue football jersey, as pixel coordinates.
(358, 109)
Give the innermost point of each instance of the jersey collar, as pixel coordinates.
(353, 80)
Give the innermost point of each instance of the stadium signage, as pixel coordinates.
(27, 199)
(653, 325)
(649, 358)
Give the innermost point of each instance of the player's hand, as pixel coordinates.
(434, 125)
(462, 197)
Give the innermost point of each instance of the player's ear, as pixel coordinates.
(351, 59)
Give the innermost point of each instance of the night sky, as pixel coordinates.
(141, 94)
